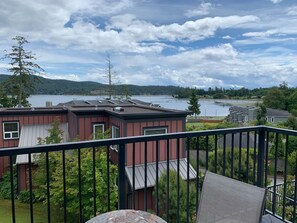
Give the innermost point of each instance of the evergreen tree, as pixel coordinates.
(21, 83)
(194, 105)
(261, 115)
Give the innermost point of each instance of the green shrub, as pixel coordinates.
(24, 196)
(5, 185)
(239, 172)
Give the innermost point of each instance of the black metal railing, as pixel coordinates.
(75, 181)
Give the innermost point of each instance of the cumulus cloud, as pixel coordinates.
(292, 11)
(276, 1)
(203, 9)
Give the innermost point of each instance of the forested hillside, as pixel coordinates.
(49, 86)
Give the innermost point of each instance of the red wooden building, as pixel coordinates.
(82, 119)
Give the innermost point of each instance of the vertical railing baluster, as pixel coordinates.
(94, 181)
(197, 172)
(232, 155)
(266, 155)
(216, 154)
(157, 177)
(145, 175)
(48, 187)
(254, 158)
(12, 188)
(108, 177)
(31, 188)
(206, 150)
(285, 177)
(295, 192)
(133, 175)
(239, 155)
(247, 156)
(64, 187)
(224, 154)
(167, 183)
(122, 177)
(79, 185)
(188, 178)
(275, 174)
(178, 183)
(261, 152)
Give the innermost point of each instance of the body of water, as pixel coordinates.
(208, 107)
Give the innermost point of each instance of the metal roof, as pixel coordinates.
(151, 172)
(29, 137)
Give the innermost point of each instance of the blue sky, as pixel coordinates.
(223, 43)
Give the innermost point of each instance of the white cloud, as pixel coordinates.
(203, 9)
(276, 1)
(227, 37)
(292, 11)
(70, 77)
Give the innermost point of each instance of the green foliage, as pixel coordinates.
(289, 205)
(194, 105)
(5, 185)
(291, 123)
(55, 134)
(292, 101)
(275, 98)
(20, 84)
(162, 198)
(292, 162)
(261, 115)
(56, 181)
(24, 197)
(239, 171)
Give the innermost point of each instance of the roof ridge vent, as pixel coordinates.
(118, 109)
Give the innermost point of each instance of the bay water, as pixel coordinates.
(208, 107)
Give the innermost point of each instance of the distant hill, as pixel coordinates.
(66, 87)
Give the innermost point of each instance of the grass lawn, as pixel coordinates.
(23, 212)
(201, 125)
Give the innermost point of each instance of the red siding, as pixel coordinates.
(85, 125)
(30, 119)
(139, 200)
(136, 128)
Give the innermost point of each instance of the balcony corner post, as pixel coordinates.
(121, 177)
(261, 152)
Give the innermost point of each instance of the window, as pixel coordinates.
(10, 130)
(272, 119)
(98, 131)
(115, 133)
(154, 131)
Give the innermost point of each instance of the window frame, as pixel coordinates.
(11, 132)
(115, 129)
(154, 128)
(94, 129)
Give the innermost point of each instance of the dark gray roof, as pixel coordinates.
(151, 172)
(277, 112)
(106, 102)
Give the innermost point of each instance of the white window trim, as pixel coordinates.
(94, 128)
(11, 132)
(272, 119)
(113, 130)
(153, 129)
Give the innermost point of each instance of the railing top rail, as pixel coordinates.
(125, 140)
(134, 139)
